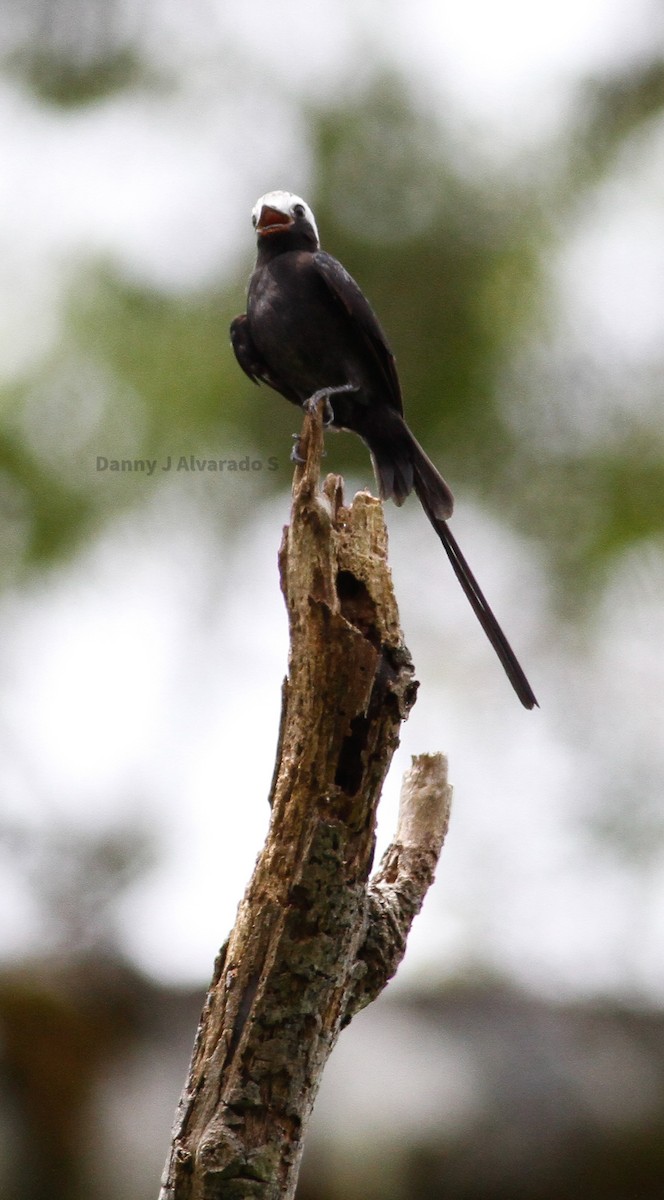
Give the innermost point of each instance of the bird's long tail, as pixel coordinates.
(483, 612)
(401, 466)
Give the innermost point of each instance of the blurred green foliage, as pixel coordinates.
(73, 52)
(455, 259)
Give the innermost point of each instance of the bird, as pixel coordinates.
(310, 334)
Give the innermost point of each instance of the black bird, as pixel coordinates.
(310, 334)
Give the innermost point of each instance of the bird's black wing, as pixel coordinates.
(250, 360)
(350, 298)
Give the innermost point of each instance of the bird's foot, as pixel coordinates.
(322, 396)
(296, 454)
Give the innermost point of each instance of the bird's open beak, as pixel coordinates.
(272, 221)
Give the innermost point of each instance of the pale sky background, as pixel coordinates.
(115, 670)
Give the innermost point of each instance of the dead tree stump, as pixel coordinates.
(315, 938)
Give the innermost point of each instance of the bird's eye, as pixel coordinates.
(298, 210)
(254, 219)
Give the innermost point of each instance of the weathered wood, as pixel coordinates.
(314, 938)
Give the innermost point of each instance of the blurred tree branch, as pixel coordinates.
(315, 939)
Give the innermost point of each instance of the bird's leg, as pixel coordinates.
(322, 396)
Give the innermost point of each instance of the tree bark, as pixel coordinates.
(315, 939)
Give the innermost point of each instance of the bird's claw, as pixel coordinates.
(310, 405)
(296, 455)
(322, 397)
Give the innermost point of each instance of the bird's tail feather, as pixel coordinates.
(483, 612)
(401, 466)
